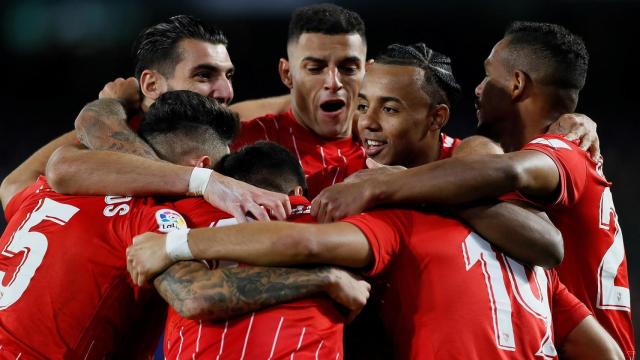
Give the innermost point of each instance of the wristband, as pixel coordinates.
(177, 245)
(198, 181)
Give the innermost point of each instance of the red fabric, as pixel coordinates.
(79, 303)
(583, 211)
(325, 162)
(442, 297)
(447, 146)
(306, 328)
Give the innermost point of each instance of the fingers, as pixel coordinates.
(238, 214)
(372, 164)
(257, 211)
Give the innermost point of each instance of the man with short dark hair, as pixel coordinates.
(181, 53)
(425, 315)
(533, 74)
(307, 326)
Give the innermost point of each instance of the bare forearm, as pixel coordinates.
(451, 181)
(102, 125)
(524, 234)
(283, 244)
(79, 171)
(590, 341)
(30, 169)
(199, 293)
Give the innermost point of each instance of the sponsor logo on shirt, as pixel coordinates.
(169, 220)
(301, 209)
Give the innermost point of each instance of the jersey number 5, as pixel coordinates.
(34, 245)
(610, 296)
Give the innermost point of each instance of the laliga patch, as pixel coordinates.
(169, 220)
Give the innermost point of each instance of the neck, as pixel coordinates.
(533, 119)
(430, 151)
(146, 103)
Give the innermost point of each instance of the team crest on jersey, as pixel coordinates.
(169, 220)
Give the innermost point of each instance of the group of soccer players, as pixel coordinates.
(504, 245)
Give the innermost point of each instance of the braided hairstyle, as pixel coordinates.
(438, 83)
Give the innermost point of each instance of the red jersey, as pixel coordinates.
(65, 289)
(325, 162)
(310, 328)
(451, 295)
(594, 266)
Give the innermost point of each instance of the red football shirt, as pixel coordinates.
(325, 162)
(65, 289)
(594, 266)
(310, 328)
(451, 295)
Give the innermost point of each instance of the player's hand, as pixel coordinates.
(239, 199)
(344, 199)
(147, 257)
(348, 290)
(126, 91)
(374, 169)
(576, 126)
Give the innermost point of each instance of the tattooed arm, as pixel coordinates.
(102, 125)
(196, 292)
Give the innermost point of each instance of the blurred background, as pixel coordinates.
(57, 55)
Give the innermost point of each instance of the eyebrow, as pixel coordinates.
(391, 98)
(313, 59)
(210, 68)
(363, 96)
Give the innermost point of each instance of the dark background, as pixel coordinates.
(57, 55)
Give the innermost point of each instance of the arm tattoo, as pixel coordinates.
(195, 291)
(103, 126)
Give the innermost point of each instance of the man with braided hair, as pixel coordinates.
(534, 73)
(437, 303)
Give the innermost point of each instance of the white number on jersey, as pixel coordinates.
(33, 244)
(610, 296)
(477, 250)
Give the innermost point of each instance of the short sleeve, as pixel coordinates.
(384, 230)
(571, 162)
(567, 311)
(160, 218)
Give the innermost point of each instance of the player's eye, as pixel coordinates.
(389, 110)
(362, 108)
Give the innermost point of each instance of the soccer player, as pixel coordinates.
(534, 73)
(65, 289)
(424, 249)
(180, 53)
(307, 328)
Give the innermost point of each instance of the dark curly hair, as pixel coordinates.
(439, 83)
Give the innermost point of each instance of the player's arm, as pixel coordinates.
(259, 243)
(27, 173)
(589, 340)
(447, 182)
(102, 125)
(74, 170)
(251, 109)
(520, 230)
(196, 292)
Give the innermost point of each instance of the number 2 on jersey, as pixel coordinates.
(33, 244)
(610, 296)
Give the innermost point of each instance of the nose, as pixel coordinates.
(368, 121)
(332, 80)
(480, 87)
(222, 90)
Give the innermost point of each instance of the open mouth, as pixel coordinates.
(374, 147)
(332, 106)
